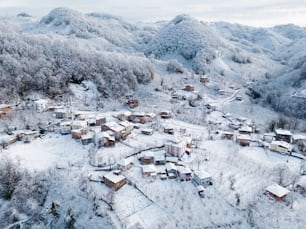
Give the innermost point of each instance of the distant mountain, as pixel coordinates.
(291, 31)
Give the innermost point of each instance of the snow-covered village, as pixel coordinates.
(173, 124)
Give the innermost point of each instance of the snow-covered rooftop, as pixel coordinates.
(244, 137)
(114, 178)
(148, 169)
(202, 174)
(171, 166)
(245, 129)
(277, 190)
(283, 132)
(282, 144)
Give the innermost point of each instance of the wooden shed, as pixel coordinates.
(244, 139)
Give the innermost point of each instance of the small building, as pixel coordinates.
(125, 163)
(148, 157)
(149, 170)
(244, 139)
(77, 134)
(78, 124)
(246, 130)
(283, 135)
(114, 181)
(106, 139)
(268, 137)
(160, 159)
(171, 168)
(60, 113)
(281, 147)
(173, 160)
(189, 87)
(147, 131)
(27, 135)
(228, 135)
(165, 114)
(100, 120)
(277, 192)
(87, 138)
(150, 117)
(128, 126)
(124, 116)
(169, 130)
(184, 173)
(65, 127)
(114, 127)
(132, 103)
(202, 178)
(138, 117)
(204, 79)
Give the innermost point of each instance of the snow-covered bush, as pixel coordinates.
(174, 66)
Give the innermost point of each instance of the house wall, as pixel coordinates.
(286, 138)
(115, 186)
(279, 149)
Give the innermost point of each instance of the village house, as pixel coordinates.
(160, 159)
(169, 130)
(204, 79)
(65, 127)
(124, 115)
(245, 130)
(189, 87)
(60, 113)
(5, 110)
(77, 134)
(149, 170)
(173, 160)
(114, 127)
(244, 139)
(268, 137)
(150, 117)
(184, 173)
(138, 117)
(78, 124)
(283, 135)
(228, 135)
(87, 138)
(147, 131)
(132, 103)
(114, 181)
(125, 163)
(202, 178)
(175, 148)
(148, 157)
(171, 168)
(106, 139)
(277, 192)
(100, 120)
(281, 147)
(165, 114)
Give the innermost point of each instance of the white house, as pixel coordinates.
(281, 147)
(202, 178)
